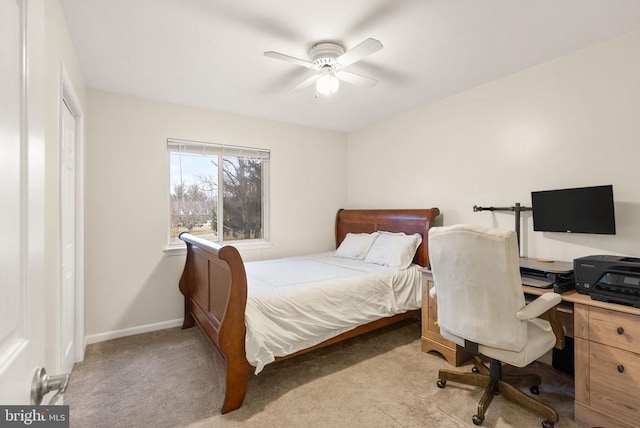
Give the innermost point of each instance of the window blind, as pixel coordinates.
(210, 149)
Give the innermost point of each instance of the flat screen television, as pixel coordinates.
(578, 210)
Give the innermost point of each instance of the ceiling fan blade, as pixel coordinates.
(356, 79)
(306, 82)
(360, 51)
(287, 58)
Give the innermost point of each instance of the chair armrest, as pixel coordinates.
(556, 326)
(545, 304)
(539, 306)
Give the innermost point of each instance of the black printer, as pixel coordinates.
(607, 278)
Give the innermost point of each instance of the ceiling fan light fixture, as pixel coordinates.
(327, 83)
(326, 58)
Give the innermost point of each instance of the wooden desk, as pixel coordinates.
(606, 350)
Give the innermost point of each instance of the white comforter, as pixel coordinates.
(298, 302)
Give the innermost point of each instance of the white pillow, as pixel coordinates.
(394, 249)
(356, 245)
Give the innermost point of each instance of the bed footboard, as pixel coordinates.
(214, 285)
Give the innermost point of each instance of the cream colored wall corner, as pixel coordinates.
(570, 122)
(59, 51)
(130, 280)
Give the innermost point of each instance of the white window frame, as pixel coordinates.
(211, 149)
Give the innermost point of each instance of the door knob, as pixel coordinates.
(43, 384)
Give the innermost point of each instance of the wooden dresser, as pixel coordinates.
(607, 365)
(607, 354)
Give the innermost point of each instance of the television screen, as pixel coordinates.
(579, 210)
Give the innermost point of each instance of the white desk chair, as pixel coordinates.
(481, 306)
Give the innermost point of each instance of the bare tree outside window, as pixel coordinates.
(242, 198)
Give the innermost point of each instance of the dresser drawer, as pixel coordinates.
(614, 375)
(615, 329)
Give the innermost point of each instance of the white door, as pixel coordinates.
(68, 237)
(22, 196)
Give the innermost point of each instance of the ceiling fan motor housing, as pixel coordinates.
(323, 54)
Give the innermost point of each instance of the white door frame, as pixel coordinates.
(69, 97)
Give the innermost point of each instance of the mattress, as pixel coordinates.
(295, 303)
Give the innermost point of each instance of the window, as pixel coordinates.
(217, 192)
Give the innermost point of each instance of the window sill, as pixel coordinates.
(174, 250)
(251, 245)
(180, 250)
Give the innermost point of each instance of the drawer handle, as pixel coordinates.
(620, 368)
(620, 330)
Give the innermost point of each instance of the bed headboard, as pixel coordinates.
(408, 221)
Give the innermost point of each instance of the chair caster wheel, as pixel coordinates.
(474, 369)
(477, 420)
(441, 383)
(547, 424)
(535, 391)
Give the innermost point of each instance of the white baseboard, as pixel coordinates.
(101, 337)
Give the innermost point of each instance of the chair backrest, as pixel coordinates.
(476, 272)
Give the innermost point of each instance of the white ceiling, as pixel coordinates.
(209, 53)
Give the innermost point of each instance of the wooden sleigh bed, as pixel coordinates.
(214, 285)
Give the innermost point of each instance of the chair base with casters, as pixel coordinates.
(495, 383)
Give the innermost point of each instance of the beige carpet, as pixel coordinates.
(173, 378)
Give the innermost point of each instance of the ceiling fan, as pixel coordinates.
(329, 59)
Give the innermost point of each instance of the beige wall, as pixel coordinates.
(130, 280)
(571, 122)
(59, 51)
